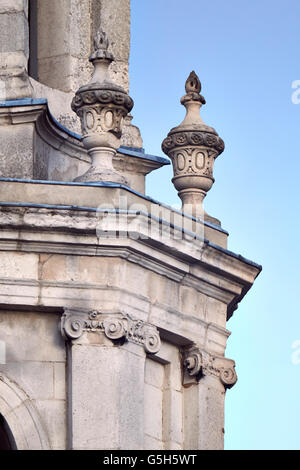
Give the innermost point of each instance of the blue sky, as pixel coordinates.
(247, 55)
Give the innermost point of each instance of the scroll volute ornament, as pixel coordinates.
(198, 363)
(101, 106)
(193, 147)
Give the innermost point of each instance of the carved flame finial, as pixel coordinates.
(101, 41)
(101, 44)
(192, 89)
(193, 83)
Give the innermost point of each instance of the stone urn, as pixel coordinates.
(193, 147)
(101, 105)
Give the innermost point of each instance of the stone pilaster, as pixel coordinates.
(14, 50)
(106, 362)
(114, 17)
(206, 378)
(80, 19)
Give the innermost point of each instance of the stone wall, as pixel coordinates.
(36, 364)
(65, 31)
(14, 49)
(164, 425)
(138, 323)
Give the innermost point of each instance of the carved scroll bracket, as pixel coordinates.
(198, 363)
(115, 326)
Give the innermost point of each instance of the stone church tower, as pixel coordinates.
(113, 306)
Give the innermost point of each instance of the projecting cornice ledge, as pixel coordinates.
(208, 268)
(117, 327)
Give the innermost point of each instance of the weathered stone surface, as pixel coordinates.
(35, 364)
(14, 6)
(59, 104)
(154, 374)
(173, 413)
(150, 443)
(54, 415)
(13, 33)
(15, 265)
(59, 381)
(34, 377)
(62, 63)
(204, 415)
(14, 50)
(109, 390)
(114, 17)
(31, 337)
(153, 420)
(16, 152)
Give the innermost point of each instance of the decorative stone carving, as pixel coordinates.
(116, 327)
(131, 136)
(193, 148)
(197, 363)
(101, 106)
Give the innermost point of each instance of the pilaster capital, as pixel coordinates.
(115, 326)
(198, 363)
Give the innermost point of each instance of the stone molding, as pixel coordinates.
(198, 363)
(102, 97)
(195, 138)
(115, 326)
(228, 284)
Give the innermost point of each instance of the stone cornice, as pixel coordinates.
(214, 288)
(206, 268)
(115, 326)
(198, 363)
(212, 254)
